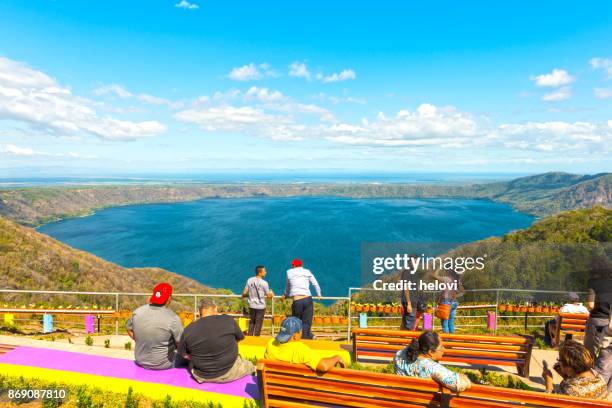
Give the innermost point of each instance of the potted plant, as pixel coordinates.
(387, 309)
(326, 320)
(353, 306)
(335, 319)
(344, 320)
(522, 308)
(510, 308)
(538, 309)
(359, 307)
(530, 308)
(318, 319)
(380, 307)
(395, 309)
(503, 307)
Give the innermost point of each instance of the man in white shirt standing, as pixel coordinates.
(299, 280)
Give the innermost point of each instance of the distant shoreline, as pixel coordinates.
(538, 196)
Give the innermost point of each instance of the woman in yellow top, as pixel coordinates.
(287, 347)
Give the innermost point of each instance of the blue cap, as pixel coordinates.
(289, 327)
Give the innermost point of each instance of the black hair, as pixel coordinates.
(258, 268)
(426, 342)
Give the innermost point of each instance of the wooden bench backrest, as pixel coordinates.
(287, 385)
(378, 345)
(574, 323)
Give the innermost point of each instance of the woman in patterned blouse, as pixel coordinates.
(420, 359)
(575, 365)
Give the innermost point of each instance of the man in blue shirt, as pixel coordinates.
(299, 280)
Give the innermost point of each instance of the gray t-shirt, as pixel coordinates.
(157, 331)
(258, 289)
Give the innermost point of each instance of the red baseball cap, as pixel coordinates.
(296, 262)
(161, 294)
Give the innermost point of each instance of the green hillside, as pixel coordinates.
(31, 260)
(557, 253)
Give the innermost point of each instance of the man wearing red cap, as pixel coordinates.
(156, 330)
(299, 280)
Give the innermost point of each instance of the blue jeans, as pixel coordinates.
(448, 326)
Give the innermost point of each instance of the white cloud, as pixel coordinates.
(427, 125)
(184, 4)
(345, 75)
(13, 150)
(561, 94)
(251, 72)
(113, 89)
(122, 93)
(603, 93)
(258, 111)
(299, 70)
(558, 77)
(604, 64)
(32, 97)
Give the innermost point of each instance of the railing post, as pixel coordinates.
(117, 316)
(195, 306)
(496, 309)
(348, 327)
(272, 320)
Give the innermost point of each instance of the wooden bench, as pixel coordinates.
(284, 385)
(374, 345)
(571, 324)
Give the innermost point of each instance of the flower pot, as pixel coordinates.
(531, 309)
(318, 320)
(387, 309)
(278, 319)
(327, 320)
(352, 308)
(522, 309)
(502, 308)
(380, 308)
(335, 319)
(546, 309)
(538, 309)
(343, 320)
(510, 308)
(359, 308)
(395, 309)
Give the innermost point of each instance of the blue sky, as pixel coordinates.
(121, 87)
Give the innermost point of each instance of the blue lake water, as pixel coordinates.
(219, 241)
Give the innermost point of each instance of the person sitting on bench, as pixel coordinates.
(420, 359)
(550, 327)
(287, 347)
(575, 365)
(157, 330)
(211, 346)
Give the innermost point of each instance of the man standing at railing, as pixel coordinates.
(156, 330)
(298, 284)
(257, 290)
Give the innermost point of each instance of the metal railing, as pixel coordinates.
(114, 303)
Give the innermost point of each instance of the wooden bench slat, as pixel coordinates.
(296, 386)
(345, 400)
